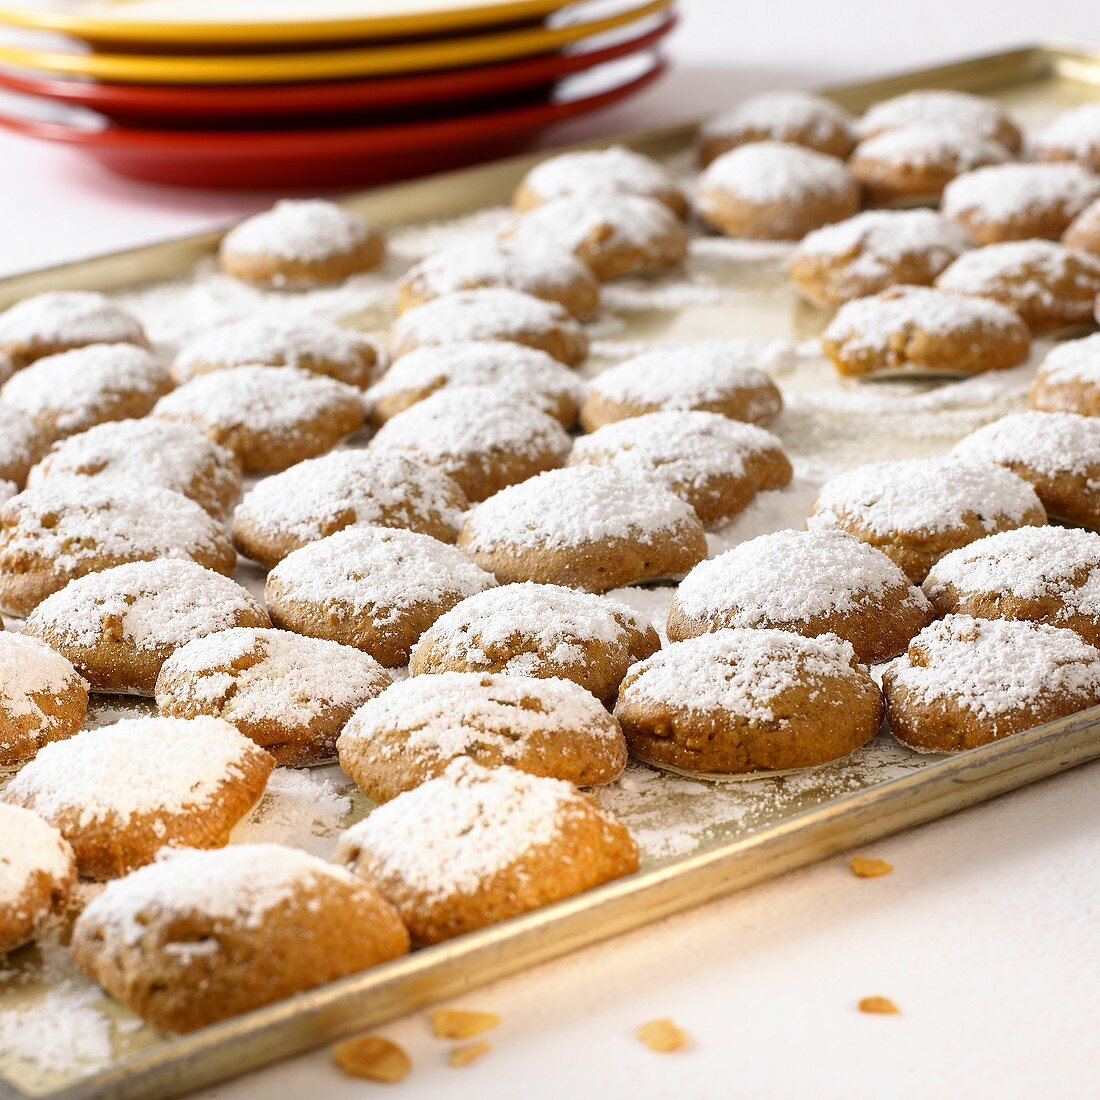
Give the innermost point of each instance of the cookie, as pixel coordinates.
(478, 845)
(42, 698)
(269, 417)
(493, 313)
(22, 444)
(58, 532)
(202, 936)
(873, 251)
(738, 701)
(1042, 574)
(120, 793)
(705, 377)
(547, 270)
(976, 114)
(912, 165)
(1057, 453)
(373, 588)
(922, 331)
(290, 694)
(541, 630)
(797, 118)
(584, 527)
(301, 243)
(599, 174)
(1068, 379)
(350, 488)
(413, 730)
(966, 682)
(57, 321)
(523, 374)
(808, 582)
(147, 452)
(37, 874)
(918, 509)
(1074, 135)
(479, 436)
(120, 625)
(773, 191)
(715, 464)
(1015, 202)
(1084, 231)
(1050, 286)
(71, 392)
(613, 235)
(311, 344)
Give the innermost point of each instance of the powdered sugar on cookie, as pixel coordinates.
(299, 229)
(28, 668)
(772, 172)
(68, 318)
(1050, 443)
(29, 847)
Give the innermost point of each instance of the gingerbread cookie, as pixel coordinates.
(413, 730)
(121, 793)
(1084, 231)
(808, 582)
(199, 937)
(22, 444)
(288, 693)
(1068, 379)
(120, 625)
(1073, 135)
(538, 840)
(585, 527)
(918, 509)
(966, 682)
(344, 489)
(975, 114)
(541, 630)
(374, 588)
(301, 243)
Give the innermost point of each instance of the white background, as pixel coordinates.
(987, 935)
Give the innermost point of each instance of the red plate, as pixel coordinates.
(207, 106)
(300, 159)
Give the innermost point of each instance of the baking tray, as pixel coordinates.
(775, 825)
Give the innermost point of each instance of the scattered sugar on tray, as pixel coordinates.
(29, 667)
(765, 172)
(64, 1031)
(69, 317)
(650, 603)
(769, 511)
(1016, 190)
(782, 114)
(1052, 443)
(415, 242)
(301, 807)
(1074, 361)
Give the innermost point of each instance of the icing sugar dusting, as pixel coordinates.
(299, 229)
(773, 171)
(1051, 443)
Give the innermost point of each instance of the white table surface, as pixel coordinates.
(987, 934)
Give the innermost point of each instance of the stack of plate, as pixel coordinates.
(310, 93)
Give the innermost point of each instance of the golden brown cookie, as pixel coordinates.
(1084, 231)
(118, 626)
(22, 444)
(706, 377)
(524, 374)
(795, 117)
(966, 682)
(773, 191)
(546, 270)
(1057, 453)
(58, 532)
(37, 873)
(541, 630)
(301, 243)
(1042, 574)
(918, 330)
(479, 436)
(873, 251)
(58, 321)
(311, 344)
(202, 936)
(1050, 286)
(1073, 135)
(269, 417)
(808, 582)
(1068, 379)
(288, 693)
(584, 527)
(738, 701)
(71, 392)
(377, 589)
(121, 793)
(916, 510)
(413, 730)
(147, 452)
(344, 489)
(42, 698)
(715, 464)
(600, 173)
(976, 114)
(538, 840)
(493, 313)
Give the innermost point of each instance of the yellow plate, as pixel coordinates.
(451, 53)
